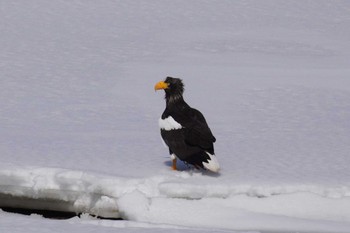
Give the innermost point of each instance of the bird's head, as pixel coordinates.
(173, 88)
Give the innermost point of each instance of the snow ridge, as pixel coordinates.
(115, 197)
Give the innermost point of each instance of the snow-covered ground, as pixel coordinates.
(79, 115)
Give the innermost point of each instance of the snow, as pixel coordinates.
(79, 128)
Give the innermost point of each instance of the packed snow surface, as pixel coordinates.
(79, 117)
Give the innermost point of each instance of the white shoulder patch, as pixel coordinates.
(169, 124)
(212, 164)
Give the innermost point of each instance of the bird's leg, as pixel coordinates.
(174, 165)
(173, 158)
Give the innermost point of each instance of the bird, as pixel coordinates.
(185, 130)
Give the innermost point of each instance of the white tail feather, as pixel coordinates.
(212, 164)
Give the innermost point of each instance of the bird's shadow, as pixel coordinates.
(181, 166)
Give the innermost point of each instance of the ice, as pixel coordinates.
(78, 114)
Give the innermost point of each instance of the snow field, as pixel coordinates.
(79, 116)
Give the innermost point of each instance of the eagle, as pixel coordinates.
(185, 130)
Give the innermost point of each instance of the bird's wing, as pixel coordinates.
(196, 129)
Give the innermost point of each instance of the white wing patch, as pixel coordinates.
(169, 124)
(212, 164)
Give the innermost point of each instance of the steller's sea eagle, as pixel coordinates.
(184, 129)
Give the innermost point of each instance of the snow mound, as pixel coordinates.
(175, 198)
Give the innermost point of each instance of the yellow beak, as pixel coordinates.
(161, 85)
